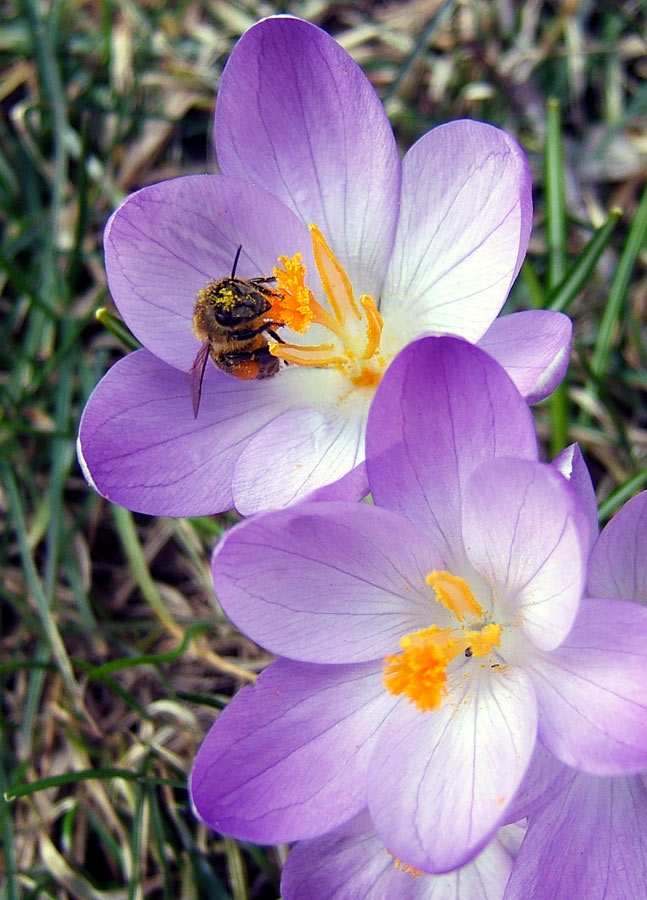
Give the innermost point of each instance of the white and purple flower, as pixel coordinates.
(587, 835)
(372, 251)
(352, 862)
(426, 641)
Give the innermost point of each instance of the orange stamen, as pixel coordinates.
(419, 671)
(356, 329)
(405, 867)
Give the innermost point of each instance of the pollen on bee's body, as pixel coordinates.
(206, 298)
(214, 292)
(209, 298)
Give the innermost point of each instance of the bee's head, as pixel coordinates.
(229, 303)
(236, 302)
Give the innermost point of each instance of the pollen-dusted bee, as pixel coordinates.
(232, 317)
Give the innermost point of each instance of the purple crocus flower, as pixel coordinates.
(369, 252)
(352, 862)
(587, 835)
(426, 641)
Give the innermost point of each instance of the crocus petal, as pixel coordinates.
(589, 842)
(546, 776)
(141, 446)
(350, 862)
(287, 758)
(297, 116)
(442, 408)
(440, 782)
(570, 463)
(166, 241)
(523, 527)
(591, 690)
(618, 564)
(327, 582)
(484, 878)
(309, 447)
(351, 486)
(533, 347)
(465, 220)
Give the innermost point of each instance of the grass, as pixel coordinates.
(115, 657)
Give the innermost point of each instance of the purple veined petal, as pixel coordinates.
(546, 776)
(464, 225)
(287, 759)
(570, 463)
(589, 842)
(618, 564)
(350, 862)
(311, 448)
(328, 582)
(440, 782)
(166, 241)
(534, 348)
(140, 445)
(591, 690)
(298, 116)
(484, 878)
(442, 408)
(524, 532)
(511, 836)
(351, 486)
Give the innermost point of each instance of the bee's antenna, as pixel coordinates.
(236, 258)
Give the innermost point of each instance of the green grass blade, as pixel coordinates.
(621, 494)
(23, 790)
(116, 326)
(561, 296)
(34, 583)
(556, 238)
(555, 195)
(618, 293)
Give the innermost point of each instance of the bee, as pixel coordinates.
(232, 317)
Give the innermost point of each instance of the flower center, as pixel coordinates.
(354, 326)
(420, 670)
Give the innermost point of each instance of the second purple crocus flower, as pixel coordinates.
(587, 835)
(427, 641)
(352, 862)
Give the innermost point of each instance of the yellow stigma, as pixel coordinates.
(419, 672)
(454, 593)
(355, 326)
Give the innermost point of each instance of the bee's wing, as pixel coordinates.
(196, 374)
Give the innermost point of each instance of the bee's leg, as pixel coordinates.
(269, 279)
(279, 340)
(251, 332)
